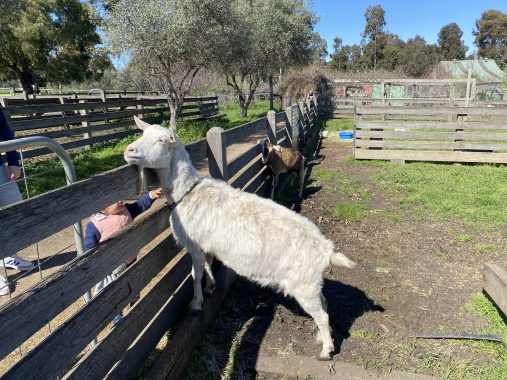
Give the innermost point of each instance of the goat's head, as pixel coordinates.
(267, 150)
(154, 149)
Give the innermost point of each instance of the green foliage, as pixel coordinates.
(418, 57)
(491, 36)
(450, 44)
(49, 40)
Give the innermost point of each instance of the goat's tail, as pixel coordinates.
(340, 260)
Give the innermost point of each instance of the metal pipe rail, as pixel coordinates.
(70, 174)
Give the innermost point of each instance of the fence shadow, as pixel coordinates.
(252, 310)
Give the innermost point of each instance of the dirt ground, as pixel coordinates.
(413, 277)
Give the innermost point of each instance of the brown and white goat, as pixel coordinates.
(283, 160)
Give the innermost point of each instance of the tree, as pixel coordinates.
(392, 51)
(339, 57)
(374, 28)
(49, 40)
(450, 44)
(262, 37)
(418, 57)
(318, 48)
(491, 36)
(170, 41)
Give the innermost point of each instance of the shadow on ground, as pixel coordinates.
(241, 327)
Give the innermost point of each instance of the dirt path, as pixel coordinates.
(413, 277)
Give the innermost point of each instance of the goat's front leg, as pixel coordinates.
(210, 280)
(273, 185)
(197, 269)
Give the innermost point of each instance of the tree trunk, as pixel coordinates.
(26, 80)
(270, 79)
(243, 105)
(173, 108)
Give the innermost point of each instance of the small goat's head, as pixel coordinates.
(154, 149)
(268, 150)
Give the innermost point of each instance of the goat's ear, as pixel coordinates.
(172, 136)
(142, 125)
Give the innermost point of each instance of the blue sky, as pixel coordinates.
(406, 18)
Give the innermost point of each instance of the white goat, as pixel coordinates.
(256, 237)
(281, 161)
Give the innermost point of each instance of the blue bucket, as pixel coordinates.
(346, 135)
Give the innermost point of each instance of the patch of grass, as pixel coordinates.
(332, 125)
(474, 193)
(355, 207)
(463, 238)
(486, 248)
(350, 211)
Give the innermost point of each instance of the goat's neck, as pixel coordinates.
(180, 175)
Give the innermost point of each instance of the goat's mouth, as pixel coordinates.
(131, 158)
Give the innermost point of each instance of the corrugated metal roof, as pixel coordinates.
(485, 71)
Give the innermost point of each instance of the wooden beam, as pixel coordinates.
(495, 284)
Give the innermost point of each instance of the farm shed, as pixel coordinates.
(485, 71)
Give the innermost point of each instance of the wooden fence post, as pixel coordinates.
(217, 154)
(140, 107)
(271, 127)
(292, 121)
(84, 124)
(302, 119)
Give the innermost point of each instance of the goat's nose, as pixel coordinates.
(130, 149)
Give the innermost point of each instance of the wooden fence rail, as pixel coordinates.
(124, 348)
(78, 123)
(471, 134)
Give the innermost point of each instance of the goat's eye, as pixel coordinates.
(161, 140)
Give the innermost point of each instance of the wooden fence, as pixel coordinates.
(453, 134)
(166, 268)
(82, 122)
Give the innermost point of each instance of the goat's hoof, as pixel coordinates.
(324, 357)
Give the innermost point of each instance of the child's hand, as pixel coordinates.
(154, 194)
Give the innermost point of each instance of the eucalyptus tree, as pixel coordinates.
(491, 36)
(374, 28)
(450, 44)
(261, 38)
(170, 40)
(49, 40)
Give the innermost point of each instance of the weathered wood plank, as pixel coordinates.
(30, 311)
(80, 143)
(80, 130)
(428, 145)
(258, 181)
(495, 284)
(475, 136)
(241, 161)
(367, 154)
(33, 309)
(113, 347)
(174, 357)
(235, 134)
(431, 111)
(248, 174)
(197, 150)
(51, 357)
(409, 125)
(59, 121)
(46, 214)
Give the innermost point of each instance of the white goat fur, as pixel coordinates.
(256, 237)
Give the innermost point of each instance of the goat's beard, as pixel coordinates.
(143, 186)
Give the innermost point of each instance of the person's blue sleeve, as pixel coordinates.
(6, 135)
(92, 236)
(140, 206)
